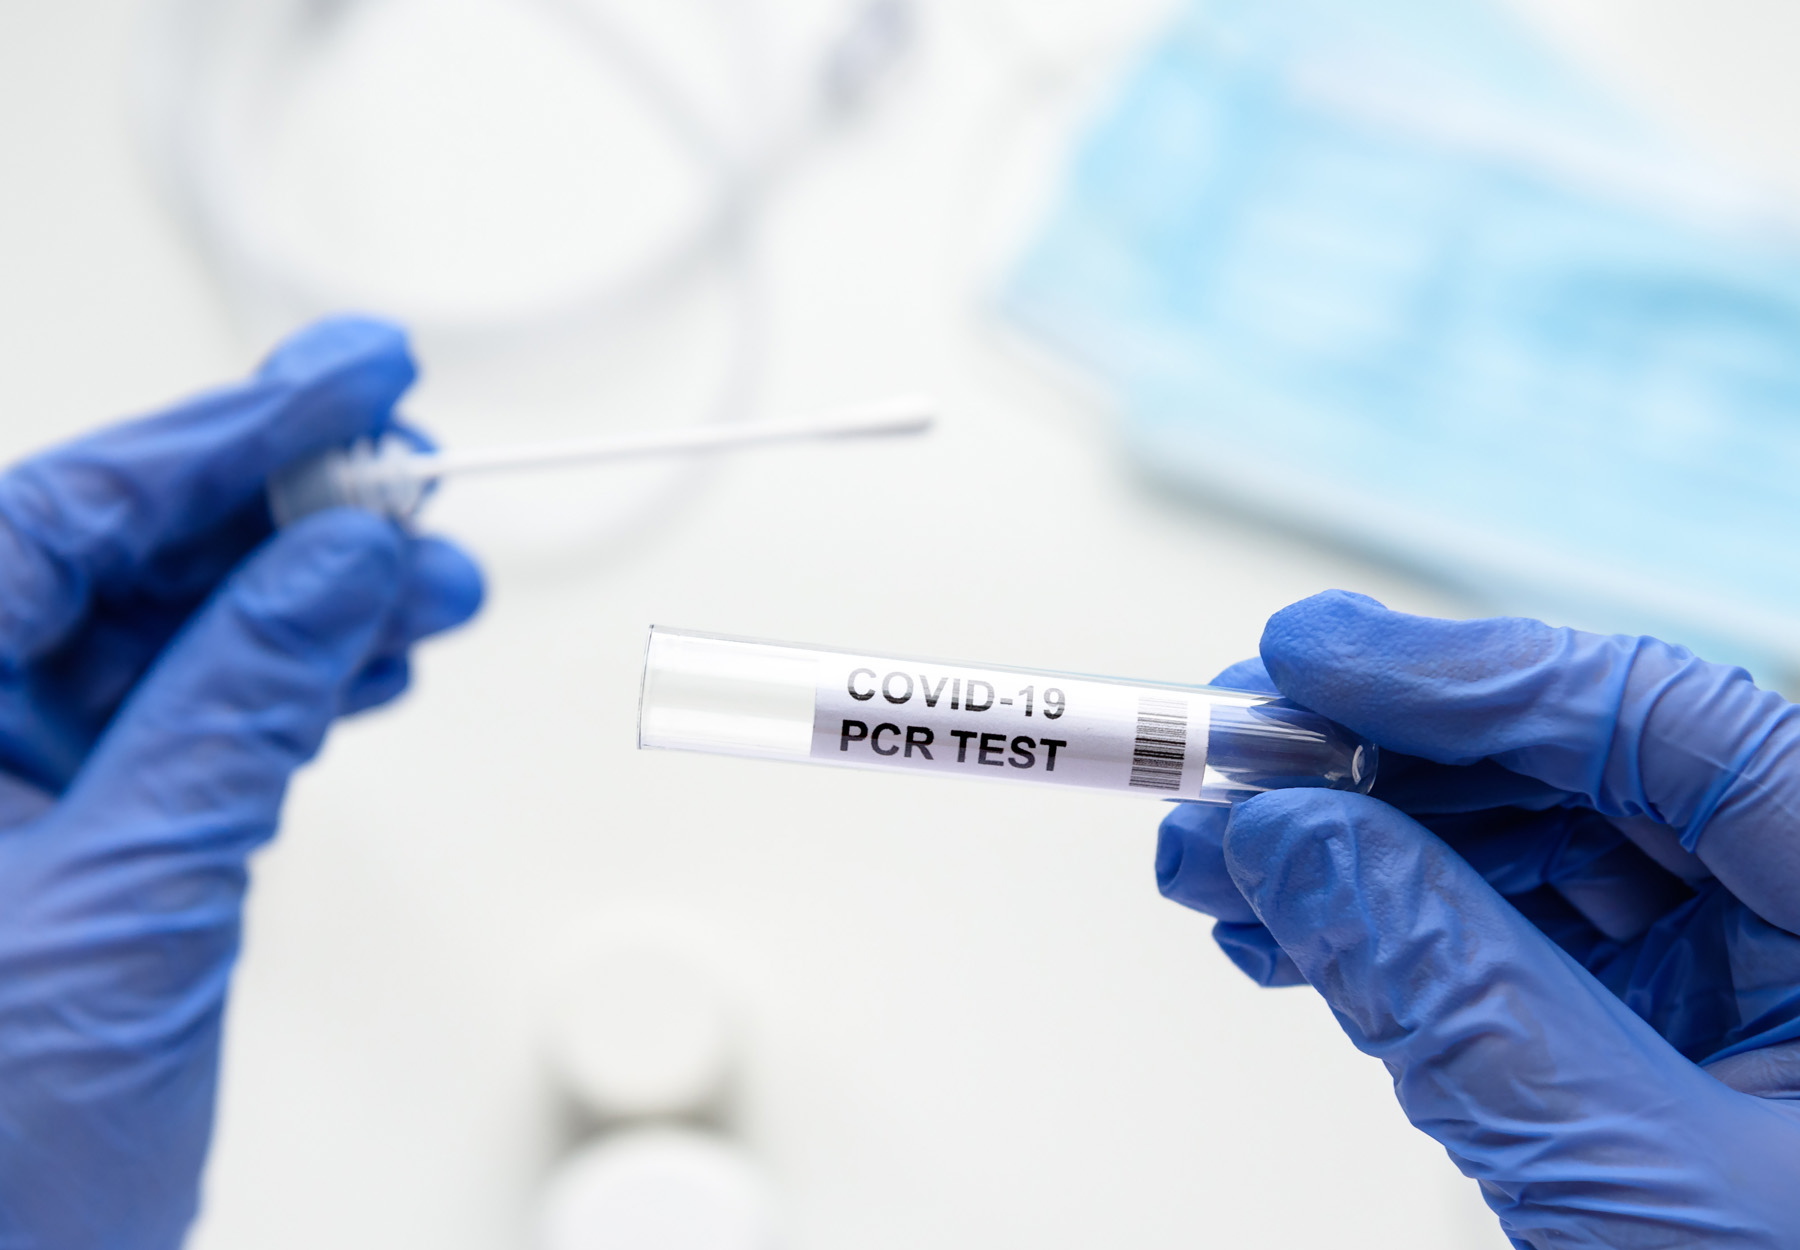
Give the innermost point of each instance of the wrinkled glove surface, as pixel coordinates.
(166, 663)
(1565, 919)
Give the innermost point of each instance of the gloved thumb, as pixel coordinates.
(1542, 1084)
(204, 746)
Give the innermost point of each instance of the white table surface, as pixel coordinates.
(972, 1021)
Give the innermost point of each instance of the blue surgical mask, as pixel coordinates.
(1386, 269)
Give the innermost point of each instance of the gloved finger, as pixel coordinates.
(79, 686)
(1773, 1072)
(1257, 954)
(1423, 788)
(67, 696)
(1190, 866)
(1417, 785)
(1621, 895)
(1663, 844)
(1578, 853)
(180, 573)
(72, 693)
(1246, 675)
(1190, 870)
(1616, 891)
(127, 628)
(1435, 793)
(1631, 726)
(122, 906)
(1557, 919)
(89, 515)
(202, 750)
(381, 680)
(1540, 1083)
(1616, 887)
(21, 801)
(1190, 857)
(1190, 862)
(443, 588)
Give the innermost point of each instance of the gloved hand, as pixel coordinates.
(165, 664)
(1565, 920)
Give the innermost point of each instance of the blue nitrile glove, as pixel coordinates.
(1565, 920)
(165, 665)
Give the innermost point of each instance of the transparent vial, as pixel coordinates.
(768, 700)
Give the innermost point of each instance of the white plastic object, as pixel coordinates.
(657, 1189)
(366, 475)
(394, 480)
(821, 705)
(640, 1031)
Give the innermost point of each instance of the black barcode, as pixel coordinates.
(1160, 751)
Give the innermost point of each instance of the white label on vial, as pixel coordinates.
(988, 722)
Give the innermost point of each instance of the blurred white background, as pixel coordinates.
(972, 1022)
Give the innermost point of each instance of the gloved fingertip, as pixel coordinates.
(341, 365)
(1279, 847)
(1320, 631)
(1330, 603)
(248, 689)
(1246, 675)
(335, 571)
(1190, 862)
(445, 587)
(413, 437)
(382, 680)
(1255, 952)
(1170, 846)
(338, 343)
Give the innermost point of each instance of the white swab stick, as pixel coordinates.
(893, 417)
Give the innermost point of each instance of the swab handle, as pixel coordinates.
(394, 481)
(895, 417)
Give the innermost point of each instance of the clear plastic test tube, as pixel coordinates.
(769, 700)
